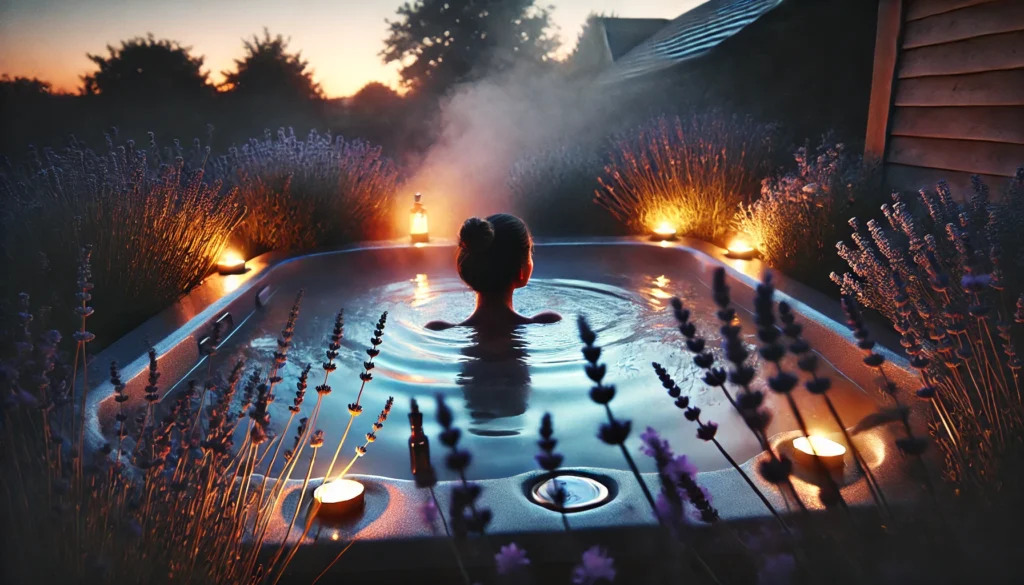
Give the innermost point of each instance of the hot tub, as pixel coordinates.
(499, 393)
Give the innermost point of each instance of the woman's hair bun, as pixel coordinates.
(476, 233)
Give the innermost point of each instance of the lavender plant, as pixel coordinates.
(948, 283)
(553, 189)
(691, 173)
(828, 186)
(158, 226)
(321, 191)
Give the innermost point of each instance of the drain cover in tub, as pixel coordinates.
(581, 492)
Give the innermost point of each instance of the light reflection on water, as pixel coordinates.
(501, 385)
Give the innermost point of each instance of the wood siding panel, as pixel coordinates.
(883, 76)
(967, 156)
(998, 124)
(993, 52)
(983, 19)
(917, 9)
(915, 178)
(993, 88)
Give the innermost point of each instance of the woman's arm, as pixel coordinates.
(439, 325)
(546, 317)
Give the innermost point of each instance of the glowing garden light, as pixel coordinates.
(829, 452)
(740, 248)
(231, 262)
(418, 222)
(664, 232)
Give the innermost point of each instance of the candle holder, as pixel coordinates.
(830, 453)
(740, 249)
(340, 499)
(664, 232)
(231, 263)
(418, 222)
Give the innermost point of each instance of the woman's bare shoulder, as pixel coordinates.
(546, 317)
(439, 325)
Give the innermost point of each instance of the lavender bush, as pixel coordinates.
(691, 173)
(949, 284)
(173, 500)
(157, 227)
(554, 190)
(321, 191)
(828, 186)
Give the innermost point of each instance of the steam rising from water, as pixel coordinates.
(485, 126)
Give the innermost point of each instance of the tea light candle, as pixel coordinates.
(829, 452)
(340, 498)
(664, 232)
(231, 262)
(740, 249)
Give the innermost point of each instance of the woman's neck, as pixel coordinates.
(494, 302)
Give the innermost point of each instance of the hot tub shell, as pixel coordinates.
(391, 516)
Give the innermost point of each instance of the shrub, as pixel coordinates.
(321, 191)
(158, 227)
(802, 213)
(948, 282)
(693, 174)
(553, 190)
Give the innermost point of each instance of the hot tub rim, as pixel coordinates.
(182, 338)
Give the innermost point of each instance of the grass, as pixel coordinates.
(692, 173)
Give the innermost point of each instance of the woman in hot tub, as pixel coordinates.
(495, 258)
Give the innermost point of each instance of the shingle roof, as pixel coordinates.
(624, 34)
(690, 35)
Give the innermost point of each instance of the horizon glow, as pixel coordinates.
(341, 39)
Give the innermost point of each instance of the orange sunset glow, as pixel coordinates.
(341, 39)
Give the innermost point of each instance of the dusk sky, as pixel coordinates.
(341, 39)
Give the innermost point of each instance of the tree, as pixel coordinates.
(374, 99)
(269, 70)
(147, 68)
(23, 87)
(587, 56)
(443, 42)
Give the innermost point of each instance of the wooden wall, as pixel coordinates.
(948, 91)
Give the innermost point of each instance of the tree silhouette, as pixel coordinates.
(269, 70)
(23, 87)
(443, 42)
(147, 68)
(374, 99)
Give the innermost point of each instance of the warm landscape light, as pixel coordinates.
(340, 498)
(827, 451)
(740, 248)
(231, 262)
(664, 231)
(418, 222)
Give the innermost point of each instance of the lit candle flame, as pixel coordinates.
(740, 245)
(818, 445)
(419, 223)
(231, 258)
(665, 229)
(338, 491)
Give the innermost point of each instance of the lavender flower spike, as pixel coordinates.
(511, 559)
(595, 566)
